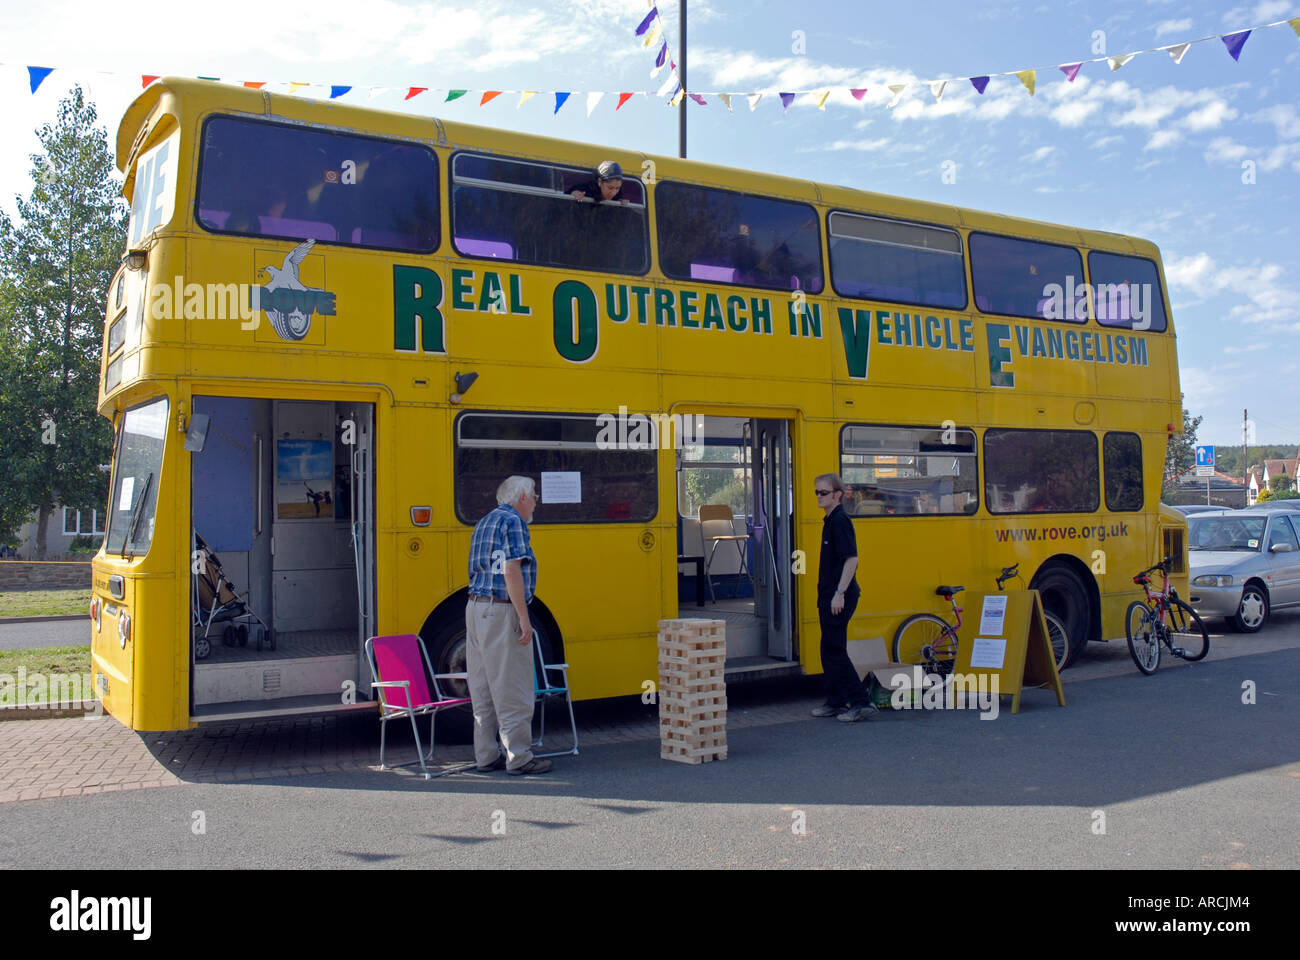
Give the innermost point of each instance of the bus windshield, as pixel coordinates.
(135, 478)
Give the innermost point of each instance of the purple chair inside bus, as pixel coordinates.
(705, 271)
(304, 229)
(498, 249)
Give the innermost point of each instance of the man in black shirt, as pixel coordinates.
(837, 598)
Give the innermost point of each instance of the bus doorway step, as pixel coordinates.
(745, 669)
(283, 707)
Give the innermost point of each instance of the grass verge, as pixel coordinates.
(44, 603)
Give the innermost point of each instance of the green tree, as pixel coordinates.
(1283, 483)
(1180, 455)
(56, 261)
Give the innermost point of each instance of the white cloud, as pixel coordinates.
(1283, 116)
(1162, 139)
(867, 146)
(1165, 27)
(1039, 155)
(1209, 116)
(1261, 290)
(1266, 11)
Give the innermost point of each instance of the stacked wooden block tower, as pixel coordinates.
(692, 690)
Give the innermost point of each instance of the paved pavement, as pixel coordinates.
(1174, 768)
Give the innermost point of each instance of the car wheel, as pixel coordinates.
(1252, 611)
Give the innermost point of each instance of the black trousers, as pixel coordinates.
(843, 688)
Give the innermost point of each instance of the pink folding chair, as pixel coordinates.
(400, 672)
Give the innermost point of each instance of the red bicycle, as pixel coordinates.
(1163, 618)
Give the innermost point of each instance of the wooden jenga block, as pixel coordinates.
(692, 690)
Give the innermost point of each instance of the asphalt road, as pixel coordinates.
(1178, 771)
(45, 633)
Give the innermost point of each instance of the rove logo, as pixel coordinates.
(75, 913)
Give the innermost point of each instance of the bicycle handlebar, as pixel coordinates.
(1007, 574)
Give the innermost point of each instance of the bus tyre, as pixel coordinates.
(1064, 596)
(1252, 610)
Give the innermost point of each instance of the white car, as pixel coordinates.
(1244, 563)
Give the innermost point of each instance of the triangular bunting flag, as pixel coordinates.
(147, 79)
(1117, 62)
(1234, 42)
(858, 93)
(698, 99)
(337, 90)
(489, 95)
(37, 75)
(677, 97)
(786, 99)
(455, 95)
(897, 89)
(560, 97)
(622, 99)
(1177, 51)
(660, 60)
(979, 83)
(414, 92)
(255, 84)
(380, 91)
(524, 97)
(753, 99)
(1071, 70)
(821, 101)
(1295, 25)
(726, 101)
(1028, 78)
(937, 88)
(295, 86)
(649, 19)
(651, 37)
(592, 100)
(669, 83)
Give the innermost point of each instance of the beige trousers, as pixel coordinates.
(500, 672)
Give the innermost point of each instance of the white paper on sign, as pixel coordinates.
(993, 615)
(128, 488)
(562, 486)
(988, 652)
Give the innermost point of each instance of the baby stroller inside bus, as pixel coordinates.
(215, 601)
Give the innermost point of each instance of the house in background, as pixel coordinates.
(1225, 491)
(1265, 477)
(65, 524)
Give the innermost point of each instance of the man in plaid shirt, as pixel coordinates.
(498, 633)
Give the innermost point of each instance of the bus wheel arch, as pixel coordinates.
(1069, 590)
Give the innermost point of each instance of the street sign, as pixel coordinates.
(1205, 461)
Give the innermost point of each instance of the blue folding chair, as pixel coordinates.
(545, 689)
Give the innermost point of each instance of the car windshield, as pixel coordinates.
(1226, 533)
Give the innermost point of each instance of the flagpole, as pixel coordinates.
(681, 118)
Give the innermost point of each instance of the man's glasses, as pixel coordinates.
(825, 493)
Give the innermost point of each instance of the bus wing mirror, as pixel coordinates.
(197, 433)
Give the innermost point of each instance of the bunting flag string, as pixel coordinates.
(652, 33)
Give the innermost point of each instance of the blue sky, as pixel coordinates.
(1155, 149)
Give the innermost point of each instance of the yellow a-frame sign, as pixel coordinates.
(1006, 638)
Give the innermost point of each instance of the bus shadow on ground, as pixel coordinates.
(1120, 738)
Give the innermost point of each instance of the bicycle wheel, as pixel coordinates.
(1143, 637)
(1190, 639)
(928, 640)
(1060, 639)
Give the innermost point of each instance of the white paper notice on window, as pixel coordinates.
(988, 652)
(993, 614)
(561, 486)
(128, 488)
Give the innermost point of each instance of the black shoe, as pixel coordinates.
(496, 764)
(534, 765)
(826, 710)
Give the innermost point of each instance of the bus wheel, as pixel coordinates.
(447, 651)
(1066, 597)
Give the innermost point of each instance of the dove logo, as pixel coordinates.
(289, 303)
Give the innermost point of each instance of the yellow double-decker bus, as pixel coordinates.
(336, 330)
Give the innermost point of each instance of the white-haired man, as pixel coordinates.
(498, 633)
